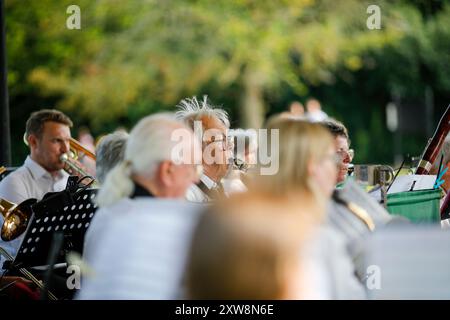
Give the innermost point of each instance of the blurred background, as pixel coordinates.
(253, 57)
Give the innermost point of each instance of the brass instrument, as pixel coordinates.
(76, 147)
(77, 170)
(16, 221)
(16, 218)
(70, 158)
(29, 275)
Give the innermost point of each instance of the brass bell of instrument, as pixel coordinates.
(16, 218)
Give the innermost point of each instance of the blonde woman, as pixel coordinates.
(307, 163)
(308, 172)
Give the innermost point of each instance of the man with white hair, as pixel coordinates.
(216, 150)
(138, 240)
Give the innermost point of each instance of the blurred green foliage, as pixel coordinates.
(253, 57)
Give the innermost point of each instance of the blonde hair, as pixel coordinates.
(242, 249)
(300, 143)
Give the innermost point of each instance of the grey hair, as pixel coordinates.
(109, 152)
(190, 110)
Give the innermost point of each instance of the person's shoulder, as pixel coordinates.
(13, 186)
(17, 175)
(143, 204)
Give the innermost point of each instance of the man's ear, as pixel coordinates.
(165, 173)
(32, 141)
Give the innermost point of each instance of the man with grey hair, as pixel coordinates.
(213, 123)
(109, 152)
(137, 242)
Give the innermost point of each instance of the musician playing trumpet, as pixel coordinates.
(48, 137)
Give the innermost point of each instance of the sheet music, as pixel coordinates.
(412, 183)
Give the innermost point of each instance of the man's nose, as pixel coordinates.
(65, 147)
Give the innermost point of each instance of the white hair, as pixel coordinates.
(149, 143)
(191, 110)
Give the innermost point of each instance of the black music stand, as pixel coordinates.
(63, 212)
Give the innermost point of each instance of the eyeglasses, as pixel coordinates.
(225, 141)
(346, 153)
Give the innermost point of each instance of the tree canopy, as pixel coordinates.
(132, 58)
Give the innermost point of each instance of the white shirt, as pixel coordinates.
(195, 194)
(232, 183)
(137, 249)
(28, 181)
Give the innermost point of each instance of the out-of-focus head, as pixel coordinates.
(306, 159)
(48, 136)
(341, 145)
(313, 105)
(249, 248)
(109, 152)
(296, 108)
(155, 157)
(214, 124)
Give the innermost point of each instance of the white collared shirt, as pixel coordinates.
(195, 194)
(28, 181)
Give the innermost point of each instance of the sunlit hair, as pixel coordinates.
(248, 248)
(191, 110)
(150, 142)
(300, 144)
